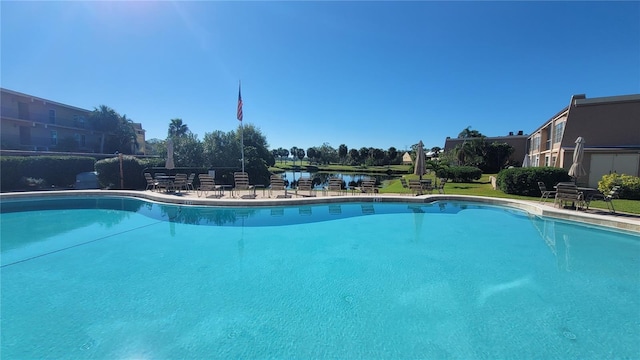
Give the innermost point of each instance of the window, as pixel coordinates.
(553, 160)
(536, 143)
(52, 116)
(76, 137)
(54, 137)
(546, 160)
(548, 142)
(81, 122)
(536, 160)
(83, 140)
(557, 133)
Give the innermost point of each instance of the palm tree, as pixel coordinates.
(177, 128)
(294, 154)
(468, 133)
(105, 120)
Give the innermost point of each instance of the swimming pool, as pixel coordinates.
(113, 277)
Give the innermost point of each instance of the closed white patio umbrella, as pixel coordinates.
(169, 164)
(577, 169)
(419, 168)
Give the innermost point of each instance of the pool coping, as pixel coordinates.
(626, 222)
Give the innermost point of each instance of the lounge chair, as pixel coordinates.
(440, 187)
(152, 184)
(241, 180)
(427, 185)
(335, 185)
(305, 184)
(368, 186)
(544, 193)
(613, 193)
(207, 183)
(415, 186)
(277, 184)
(403, 181)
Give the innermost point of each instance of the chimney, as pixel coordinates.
(520, 132)
(510, 133)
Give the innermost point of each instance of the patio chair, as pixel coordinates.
(180, 182)
(613, 193)
(151, 183)
(305, 184)
(207, 183)
(241, 180)
(544, 193)
(190, 179)
(277, 184)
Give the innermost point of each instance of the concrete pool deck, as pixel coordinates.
(620, 221)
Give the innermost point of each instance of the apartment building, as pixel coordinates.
(32, 124)
(610, 127)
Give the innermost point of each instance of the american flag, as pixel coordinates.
(239, 104)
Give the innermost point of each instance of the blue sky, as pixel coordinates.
(358, 73)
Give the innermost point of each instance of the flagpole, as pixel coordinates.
(242, 140)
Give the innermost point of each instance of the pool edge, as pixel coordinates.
(531, 207)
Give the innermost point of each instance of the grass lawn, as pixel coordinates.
(480, 187)
(483, 187)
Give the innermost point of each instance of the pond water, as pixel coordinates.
(321, 179)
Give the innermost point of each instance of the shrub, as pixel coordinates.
(132, 169)
(57, 171)
(460, 173)
(524, 181)
(629, 185)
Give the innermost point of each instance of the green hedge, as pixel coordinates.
(629, 185)
(460, 173)
(42, 171)
(132, 169)
(524, 181)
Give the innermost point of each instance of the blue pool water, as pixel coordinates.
(122, 278)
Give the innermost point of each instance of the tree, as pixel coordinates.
(468, 133)
(363, 154)
(354, 154)
(342, 153)
(496, 157)
(392, 153)
(300, 154)
(154, 147)
(105, 120)
(222, 151)
(326, 154)
(312, 154)
(294, 154)
(284, 153)
(436, 150)
(177, 128)
(123, 139)
(188, 150)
